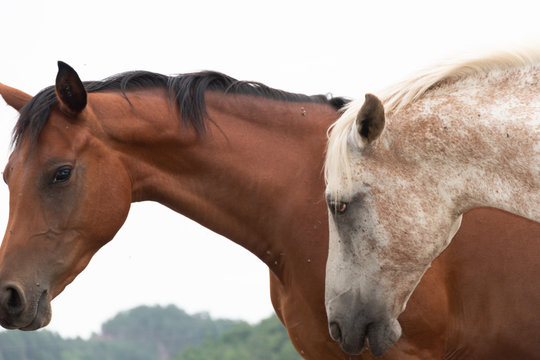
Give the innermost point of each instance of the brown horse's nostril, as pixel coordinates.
(335, 331)
(12, 300)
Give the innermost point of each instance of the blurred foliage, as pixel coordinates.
(159, 333)
(265, 341)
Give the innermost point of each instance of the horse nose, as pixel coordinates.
(12, 300)
(335, 331)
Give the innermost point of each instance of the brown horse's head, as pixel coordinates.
(69, 195)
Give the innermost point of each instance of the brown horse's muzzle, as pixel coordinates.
(24, 310)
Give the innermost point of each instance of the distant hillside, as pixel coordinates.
(160, 333)
(265, 341)
(163, 330)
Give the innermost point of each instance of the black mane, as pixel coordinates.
(187, 90)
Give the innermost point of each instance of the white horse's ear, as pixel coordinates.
(370, 119)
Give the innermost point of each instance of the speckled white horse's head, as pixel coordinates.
(401, 172)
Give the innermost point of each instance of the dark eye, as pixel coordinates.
(337, 207)
(63, 174)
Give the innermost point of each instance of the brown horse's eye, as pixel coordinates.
(62, 175)
(337, 207)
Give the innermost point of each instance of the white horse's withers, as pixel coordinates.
(401, 172)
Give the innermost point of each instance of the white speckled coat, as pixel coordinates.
(465, 136)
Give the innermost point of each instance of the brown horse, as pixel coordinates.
(245, 161)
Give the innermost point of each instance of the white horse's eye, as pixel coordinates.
(337, 207)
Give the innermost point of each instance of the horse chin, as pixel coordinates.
(379, 338)
(355, 348)
(382, 336)
(353, 345)
(43, 314)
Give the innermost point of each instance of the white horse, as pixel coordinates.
(401, 172)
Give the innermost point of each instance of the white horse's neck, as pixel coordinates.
(477, 140)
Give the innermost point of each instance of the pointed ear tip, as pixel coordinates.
(372, 97)
(3, 88)
(64, 66)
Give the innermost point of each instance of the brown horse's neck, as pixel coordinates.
(250, 178)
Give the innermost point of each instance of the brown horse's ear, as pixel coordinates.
(70, 89)
(13, 97)
(370, 119)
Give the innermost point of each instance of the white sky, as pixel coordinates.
(343, 47)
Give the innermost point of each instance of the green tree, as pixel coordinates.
(156, 333)
(40, 345)
(163, 330)
(267, 340)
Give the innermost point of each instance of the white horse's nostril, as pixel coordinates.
(335, 331)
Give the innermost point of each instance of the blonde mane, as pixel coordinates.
(342, 134)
